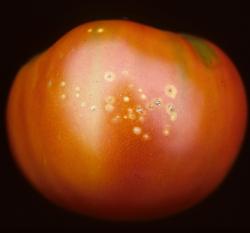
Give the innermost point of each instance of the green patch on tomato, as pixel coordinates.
(206, 53)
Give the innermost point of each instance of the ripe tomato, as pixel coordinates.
(119, 120)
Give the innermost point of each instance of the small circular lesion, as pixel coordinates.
(137, 130)
(109, 76)
(170, 91)
(171, 111)
(157, 101)
(110, 99)
(63, 96)
(93, 108)
(150, 106)
(62, 84)
(143, 97)
(146, 137)
(116, 119)
(49, 83)
(166, 130)
(109, 107)
(126, 99)
(100, 30)
(77, 88)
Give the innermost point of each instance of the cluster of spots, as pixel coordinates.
(136, 113)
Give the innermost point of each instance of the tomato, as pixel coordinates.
(122, 121)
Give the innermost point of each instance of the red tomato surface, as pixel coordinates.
(123, 121)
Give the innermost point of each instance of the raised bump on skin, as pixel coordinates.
(170, 91)
(137, 130)
(109, 76)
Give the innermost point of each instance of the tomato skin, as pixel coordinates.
(122, 121)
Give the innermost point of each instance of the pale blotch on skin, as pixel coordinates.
(62, 84)
(131, 85)
(109, 76)
(77, 88)
(93, 108)
(83, 104)
(143, 97)
(109, 108)
(173, 116)
(170, 91)
(100, 30)
(90, 30)
(125, 117)
(131, 116)
(145, 137)
(63, 96)
(126, 99)
(110, 99)
(137, 130)
(50, 83)
(140, 90)
(77, 95)
(125, 72)
(141, 119)
(166, 131)
(130, 110)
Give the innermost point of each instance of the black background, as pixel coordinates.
(27, 28)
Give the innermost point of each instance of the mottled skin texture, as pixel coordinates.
(89, 152)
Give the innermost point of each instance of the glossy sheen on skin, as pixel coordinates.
(119, 120)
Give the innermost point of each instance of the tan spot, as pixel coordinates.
(110, 99)
(131, 85)
(150, 106)
(131, 116)
(166, 131)
(100, 30)
(109, 107)
(143, 97)
(126, 99)
(83, 104)
(130, 110)
(63, 96)
(170, 91)
(125, 72)
(137, 130)
(170, 108)
(116, 119)
(62, 84)
(157, 101)
(93, 108)
(146, 137)
(109, 76)
(77, 88)
(173, 116)
(49, 83)
(141, 119)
